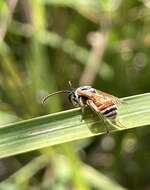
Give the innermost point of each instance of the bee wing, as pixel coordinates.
(109, 97)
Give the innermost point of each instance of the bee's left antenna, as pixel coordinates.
(70, 84)
(52, 94)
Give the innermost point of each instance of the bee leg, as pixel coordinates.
(105, 121)
(82, 113)
(119, 124)
(94, 108)
(82, 106)
(107, 130)
(106, 127)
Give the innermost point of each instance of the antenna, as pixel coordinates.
(54, 93)
(70, 84)
(58, 92)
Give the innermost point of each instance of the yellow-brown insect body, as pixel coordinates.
(103, 104)
(99, 101)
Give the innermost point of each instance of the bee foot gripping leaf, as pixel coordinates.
(118, 124)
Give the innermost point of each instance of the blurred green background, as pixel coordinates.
(46, 43)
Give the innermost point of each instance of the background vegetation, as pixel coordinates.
(46, 43)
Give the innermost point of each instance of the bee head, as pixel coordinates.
(74, 95)
(73, 98)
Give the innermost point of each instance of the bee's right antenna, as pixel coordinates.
(52, 94)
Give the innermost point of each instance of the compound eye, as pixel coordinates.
(73, 99)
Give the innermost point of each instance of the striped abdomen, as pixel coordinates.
(109, 111)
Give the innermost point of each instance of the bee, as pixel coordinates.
(105, 105)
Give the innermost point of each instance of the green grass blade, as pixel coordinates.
(99, 180)
(67, 126)
(95, 178)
